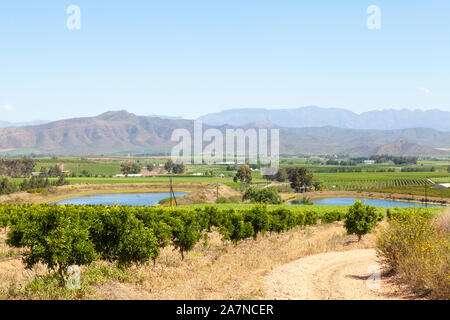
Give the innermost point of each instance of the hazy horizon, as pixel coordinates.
(170, 116)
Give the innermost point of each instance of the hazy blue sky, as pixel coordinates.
(192, 57)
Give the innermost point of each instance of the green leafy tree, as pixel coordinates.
(332, 216)
(360, 219)
(130, 168)
(56, 237)
(158, 223)
(119, 236)
(54, 171)
(186, 232)
(300, 179)
(178, 168)
(62, 181)
(4, 218)
(281, 219)
(169, 166)
(282, 175)
(17, 168)
(244, 176)
(265, 195)
(318, 185)
(310, 217)
(7, 186)
(259, 218)
(234, 227)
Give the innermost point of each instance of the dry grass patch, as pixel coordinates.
(217, 270)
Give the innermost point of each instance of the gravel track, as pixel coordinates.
(333, 275)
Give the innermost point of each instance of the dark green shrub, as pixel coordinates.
(7, 186)
(235, 228)
(119, 236)
(282, 219)
(259, 218)
(276, 224)
(265, 195)
(300, 217)
(221, 200)
(310, 217)
(186, 232)
(55, 236)
(4, 217)
(161, 230)
(381, 214)
(332, 216)
(360, 219)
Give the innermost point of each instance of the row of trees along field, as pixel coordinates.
(34, 184)
(134, 167)
(23, 168)
(301, 180)
(17, 168)
(172, 167)
(60, 236)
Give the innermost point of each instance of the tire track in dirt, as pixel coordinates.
(333, 275)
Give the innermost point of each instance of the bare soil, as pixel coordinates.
(346, 275)
(209, 194)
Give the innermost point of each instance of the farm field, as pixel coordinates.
(101, 170)
(155, 179)
(416, 191)
(379, 180)
(77, 166)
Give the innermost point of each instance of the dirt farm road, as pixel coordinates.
(340, 275)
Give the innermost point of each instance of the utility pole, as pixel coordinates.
(170, 191)
(172, 195)
(426, 192)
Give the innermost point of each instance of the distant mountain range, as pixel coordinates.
(318, 117)
(165, 117)
(4, 124)
(120, 131)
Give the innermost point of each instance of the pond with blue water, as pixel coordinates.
(122, 199)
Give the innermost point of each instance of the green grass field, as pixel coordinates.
(157, 179)
(417, 191)
(331, 181)
(77, 166)
(391, 182)
(377, 180)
